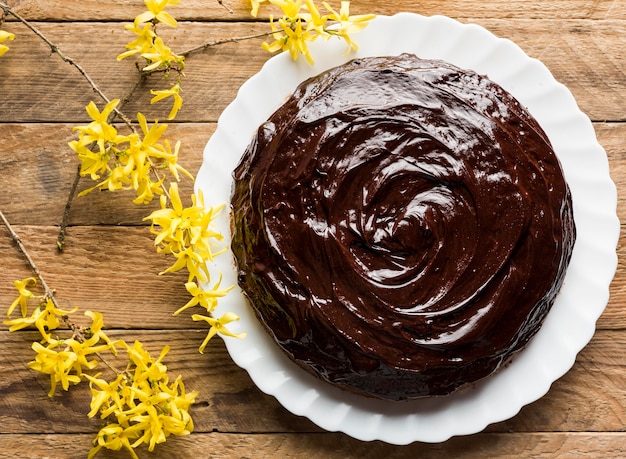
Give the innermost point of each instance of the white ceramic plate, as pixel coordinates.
(570, 324)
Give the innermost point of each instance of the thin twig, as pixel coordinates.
(223, 41)
(228, 8)
(126, 99)
(66, 210)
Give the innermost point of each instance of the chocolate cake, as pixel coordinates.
(401, 226)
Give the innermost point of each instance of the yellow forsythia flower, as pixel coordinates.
(160, 56)
(169, 157)
(347, 24)
(65, 359)
(4, 36)
(127, 161)
(95, 330)
(302, 23)
(155, 12)
(135, 162)
(81, 351)
(147, 369)
(205, 298)
(291, 36)
(58, 364)
(255, 4)
(290, 8)
(143, 42)
(186, 233)
(99, 130)
(147, 408)
(218, 326)
(23, 322)
(291, 31)
(25, 295)
(315, 20)
(108, 398)
(50, 319)
(113, 437)
(101, 133)
(174, 92)
(44, 320)
(62, 359)
(147, 43)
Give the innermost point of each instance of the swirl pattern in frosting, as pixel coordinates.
(401, 226)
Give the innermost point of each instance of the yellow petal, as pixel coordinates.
(166, 19)
(4, 35)
(146, 16)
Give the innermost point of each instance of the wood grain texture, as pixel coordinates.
(591, 397)
(588, 56)
(131, 284)
(51, 169)
(94, 10)
(44, 181)
(331, 445)
(110, 264)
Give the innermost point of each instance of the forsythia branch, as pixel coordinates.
(224, 41)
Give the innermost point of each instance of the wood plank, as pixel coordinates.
(590, 397)
(209, 86)
(325, 445)
(587, 56)
(228, 400)
(94, 10)
(127, 259)
(118, 267)
(44, 180)
(124, 10)
(572, 63)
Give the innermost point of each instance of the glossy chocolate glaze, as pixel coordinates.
(401, 226)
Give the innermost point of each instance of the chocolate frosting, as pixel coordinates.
(401, 226)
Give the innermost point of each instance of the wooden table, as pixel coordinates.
(109, 263)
